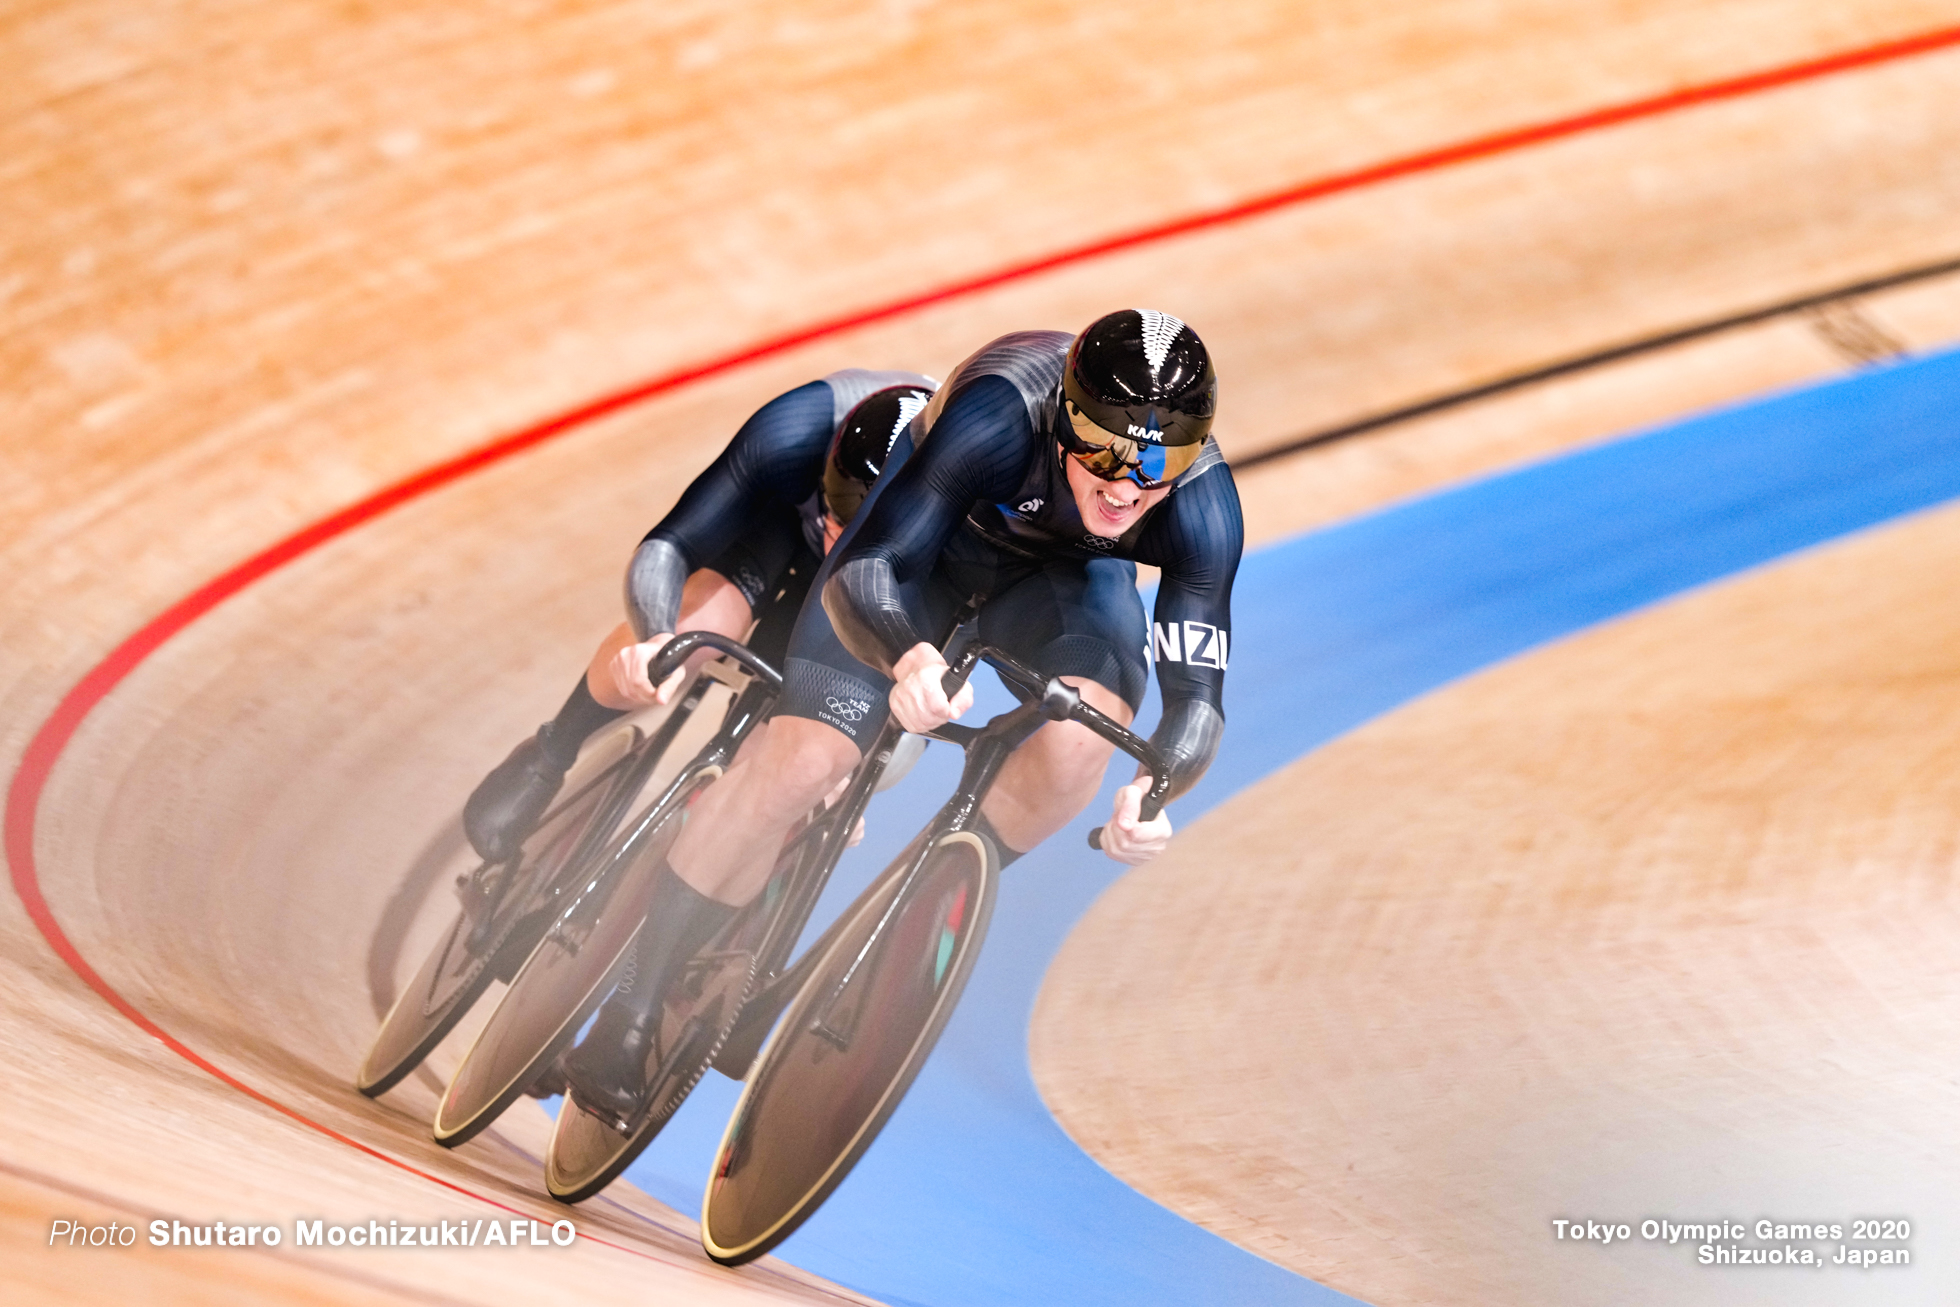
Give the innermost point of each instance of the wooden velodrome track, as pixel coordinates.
(260, 263)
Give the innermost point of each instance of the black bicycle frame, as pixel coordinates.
(752, 701)
(987, 749)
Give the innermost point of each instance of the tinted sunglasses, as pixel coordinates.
(1113, 458)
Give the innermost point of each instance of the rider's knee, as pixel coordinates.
(1077, 755)
(1081, 747)
(712, 602)
(803, 760)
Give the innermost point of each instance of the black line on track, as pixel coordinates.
(1598, 358)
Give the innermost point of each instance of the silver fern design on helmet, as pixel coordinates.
(909, 407)
(1159, 330)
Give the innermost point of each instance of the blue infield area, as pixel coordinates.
(974, 1196)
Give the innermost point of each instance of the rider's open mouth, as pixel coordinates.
(1113, 503)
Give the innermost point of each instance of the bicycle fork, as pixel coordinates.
(987, 751)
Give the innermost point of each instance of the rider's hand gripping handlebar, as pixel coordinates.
(1061, 702)
(677, 650)
(1146, 753)
(961, 668)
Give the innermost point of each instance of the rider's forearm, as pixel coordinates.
(1188, 738)
(975, 455)
(654, 581)
(864, 606)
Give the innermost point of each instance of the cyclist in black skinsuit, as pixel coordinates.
(769, 507)
(1044, 470)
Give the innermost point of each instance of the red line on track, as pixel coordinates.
(45, 749)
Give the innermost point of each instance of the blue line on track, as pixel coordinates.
(974, 1196)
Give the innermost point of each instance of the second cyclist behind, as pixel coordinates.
(760, 516)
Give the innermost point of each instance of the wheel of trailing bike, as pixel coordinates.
(586, 1154)
(813, 1104)
(569, 970)
(454, 976)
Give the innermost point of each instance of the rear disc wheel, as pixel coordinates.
(455, 974)
(569, 971)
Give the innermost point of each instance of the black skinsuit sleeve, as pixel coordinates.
(977, 451)
(1196, 537)
(776, 457)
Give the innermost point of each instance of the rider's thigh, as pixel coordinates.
(825, 684)
(755, 561)
(1054, 775)
(712, 602)
(1081, 620)
(1103, 699)
(709, 602)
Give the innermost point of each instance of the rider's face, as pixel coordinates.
(832, 529)
(1109, 508)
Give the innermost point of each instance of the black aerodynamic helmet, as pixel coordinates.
(1138, 392)
(863, 440)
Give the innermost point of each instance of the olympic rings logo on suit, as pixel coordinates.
(850, 710)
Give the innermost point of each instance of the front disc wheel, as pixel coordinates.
(847, 1049)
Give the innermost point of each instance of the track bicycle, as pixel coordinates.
(508, 907)
(873, 992)
(576, 955)
(869, 1009)
(719, 1006)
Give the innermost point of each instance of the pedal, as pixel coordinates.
(562, 937)
(469, 888)
(481, 892)
(837, 1039)
(612, 1121)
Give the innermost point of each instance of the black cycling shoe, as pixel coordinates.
(550, 1082)
(505, 808)
(607, 1077)
(609, 1073)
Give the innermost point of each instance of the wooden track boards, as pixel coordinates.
(1657, 921)
(263, 262)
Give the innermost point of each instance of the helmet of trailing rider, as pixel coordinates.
(863, 440)
(1137, 394)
